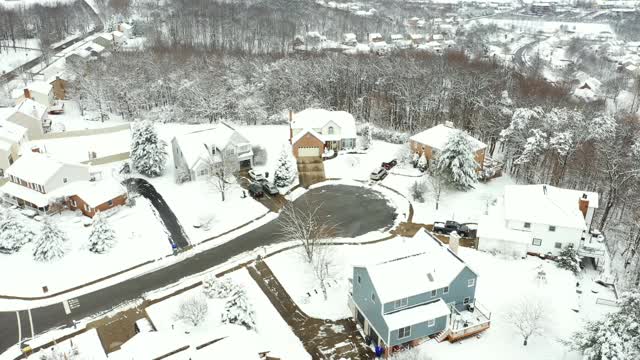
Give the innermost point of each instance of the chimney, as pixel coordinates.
(35, 149)
(583, 205)
(290, 124)
(27, 94)
(454, 242)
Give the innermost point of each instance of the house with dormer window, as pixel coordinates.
(435, 297)
(336, 130)
(198, 151)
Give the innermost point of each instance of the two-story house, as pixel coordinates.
(12, 136)
(420, 291)
(335, 129)
(431, 141)
(538, 219)
(32, 116)
(47, 185)
(198, 151)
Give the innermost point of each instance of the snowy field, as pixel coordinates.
(272, 331)
(140, 237)
(12, 58)
(502, 283)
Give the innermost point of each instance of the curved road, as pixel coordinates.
(357, 210)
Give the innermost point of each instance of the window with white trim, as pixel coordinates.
(446, 290)
(404, 332)
(110, 202)
(434, 292)
(400, 303)
(431, 323)
(73, 202)
(86, 207)
(527, 225)
(64, 180)
(537, 242)
(466, 300)
(471, 282)
(558, 245)
(359, 279)
(552, 228)
(331, 130)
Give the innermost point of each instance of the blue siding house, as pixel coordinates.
(423, 291)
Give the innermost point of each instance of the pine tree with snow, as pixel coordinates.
(102, 237)
(422, 163)
(569, 259)
(148, 151)
(49, 244)
(13, 233)
(238, 310)
(366, 137)
(215, 288)
(286, 170)
(457, 163)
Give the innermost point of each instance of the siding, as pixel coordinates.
(459, 289)
(563, 235)
(419, 331)
(80, 205)
(34, 126)
(69, 171)
(372, 310)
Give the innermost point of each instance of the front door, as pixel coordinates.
(373, 336)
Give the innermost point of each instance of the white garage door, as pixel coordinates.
(308, 151)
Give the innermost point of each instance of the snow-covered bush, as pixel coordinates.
(569, 259)
(403, 155)
(417, 190)
(366, 137)
(391, 136)
(457, 163)
(102, 237)
(286, 170)
(259, 155)
(193, 311)
(409, 354)
(238, 310)
(148, 151)
(215, 288)
(13, 233)
(423, 164)
(49, 244)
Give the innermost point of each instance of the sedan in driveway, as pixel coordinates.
(270, 188)
(256, 176)
(378, 174)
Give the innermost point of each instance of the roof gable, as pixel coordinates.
(195, 146)
(438, 136)
(31, 109)
(319, 118)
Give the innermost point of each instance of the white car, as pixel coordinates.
(378, 174)
(256, 176)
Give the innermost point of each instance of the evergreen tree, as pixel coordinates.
(286, 171)
(49, 244)
(102, 237)
(238, 310)
(365, 137)
(456, 162)
(148, 152)
(617, 336)
(569, 260)
(215, 288)
(13, 233)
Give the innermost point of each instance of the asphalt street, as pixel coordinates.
(355, 211)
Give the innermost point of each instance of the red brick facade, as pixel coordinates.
(75, 202)
(306, 141)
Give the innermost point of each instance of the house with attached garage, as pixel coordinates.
(542, 219)
(421, 290)
(335, 129)
(431, 141)
(195, 153)
(12, 136)
(32, 116)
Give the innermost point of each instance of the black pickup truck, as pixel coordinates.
(450, 226)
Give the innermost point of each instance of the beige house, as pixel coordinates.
(32, 116)
(433, 140)
(337, 129)
(12, 137)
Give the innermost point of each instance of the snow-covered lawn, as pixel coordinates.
(502, 283)
(359, 166)
(12, 58)
(140, 237)
(271, 329)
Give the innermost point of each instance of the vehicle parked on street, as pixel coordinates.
(389, 165)
(378, 174)
(270, 188)
(256, 176)
(450, 226)
(256, 191)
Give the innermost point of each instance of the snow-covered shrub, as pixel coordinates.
(259, 155)
(193, 311)
(13, 233)
(238, 310)
(569, 259)
(215, 288)
(392, 136)
(409, 354)
(148, 151)
(403, 155)
(286, 169)
(102, 237)
(49, 244)
(366, 137)
(457, 163)
(417, 190)
(423, 164)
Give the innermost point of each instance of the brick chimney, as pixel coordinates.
(27, 94)
(454, 242)
(583, 205)
(290, 129)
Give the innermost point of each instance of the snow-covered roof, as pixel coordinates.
(31, 108)
(318, 118)
(37, 168)
(244, 346)
(494, 226)
(126, 26)
(417, 314)
(349, 37)
(149, 345)
(194, 145)
(12, 132)
(300, 134)
(429, 263)
(96, 193)
(438, 136)
(555, 206)
(437, 37)
(416, 36)
(117, 34)
(22, 192)
(5, 145)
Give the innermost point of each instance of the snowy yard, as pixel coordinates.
(140, 237)
(502, 283)
(12, 58)
(272, 331)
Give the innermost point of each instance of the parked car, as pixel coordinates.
(450, 226)
(256, 176)
(256, 191)
(270, 188)
(389, 165)
(378, 174)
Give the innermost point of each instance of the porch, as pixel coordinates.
(476, 318)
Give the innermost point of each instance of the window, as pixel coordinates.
(86, 207)
(404, 332)
(552, 228)
(64, 180)
(446, 290)
(401, 303)
(537, 242)
(434, 292)
(230, 151)
(466, 300)
(373, 297)
(471, 282)
(431, 323)
(359, 279)
(527, 225)
(203, 172)
(330, 130)
(110, 202)
(558, 245)
(73, 202)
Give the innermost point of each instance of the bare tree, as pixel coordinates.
(223, 171)
(527, 316)
(304, 224)
(436, 185)
(192, 310)
(323, 266)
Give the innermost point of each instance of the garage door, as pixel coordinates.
(308, 152)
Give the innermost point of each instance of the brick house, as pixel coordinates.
(433, 140)
(91, 197)
(307, 143)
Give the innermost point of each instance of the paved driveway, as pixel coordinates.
(357, 210)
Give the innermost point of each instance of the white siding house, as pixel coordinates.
(39, 91)
(12, 136)
(32, 116)
(337, 128)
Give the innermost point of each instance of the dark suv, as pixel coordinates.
(388, 165)
(451, 226)
(256, 191)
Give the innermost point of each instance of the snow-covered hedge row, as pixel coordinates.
(391, 136)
